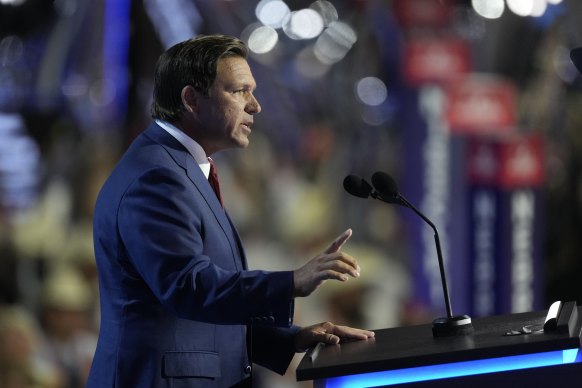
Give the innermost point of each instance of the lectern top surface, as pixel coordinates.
(405, 347)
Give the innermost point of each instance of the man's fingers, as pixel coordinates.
(328, 338)
(334, 334)
(352, 333)
(331, 264)
(337, 244)
(341, 262)
(328, 333)
(331, 274)
(331, 339)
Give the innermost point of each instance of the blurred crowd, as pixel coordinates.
(51, 345)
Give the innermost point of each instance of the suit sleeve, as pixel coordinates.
(184, 261)
(274, 347)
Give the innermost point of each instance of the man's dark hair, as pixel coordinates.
(192, 62)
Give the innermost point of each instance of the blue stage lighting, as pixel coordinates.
(455, 369)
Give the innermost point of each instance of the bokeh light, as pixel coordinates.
(335, 42)
(539, 8)
(489, 9)
(304, 24)
(263, 39)
(12, 2)
(371, 91)
(273, 13)
(524, 8)
(327, 11)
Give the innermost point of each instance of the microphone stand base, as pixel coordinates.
(453, 326)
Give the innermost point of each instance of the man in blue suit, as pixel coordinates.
(179, 307)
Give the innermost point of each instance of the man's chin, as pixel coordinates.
(234, 144)
(242, 143)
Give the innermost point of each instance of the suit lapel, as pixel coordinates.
(183, 159)
(239, 244)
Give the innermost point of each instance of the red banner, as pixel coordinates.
(481, 104)
(423, 13)
(431, 60)
(506, 161)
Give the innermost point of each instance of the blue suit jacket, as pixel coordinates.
(176, 295)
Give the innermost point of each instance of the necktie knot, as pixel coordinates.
(213, 180)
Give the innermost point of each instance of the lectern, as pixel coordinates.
(503, 351)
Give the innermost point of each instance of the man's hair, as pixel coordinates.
(192, 62)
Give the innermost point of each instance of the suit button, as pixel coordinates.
(248, 369)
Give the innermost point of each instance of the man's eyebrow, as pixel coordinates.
(245, 85)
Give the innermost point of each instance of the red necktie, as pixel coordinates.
(214, 182)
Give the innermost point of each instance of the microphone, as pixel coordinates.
(386, 190)
(358, 187)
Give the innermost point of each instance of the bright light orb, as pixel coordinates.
(520, 7)
(304, 24)
(489, 9)
(273, 13)
(539, 8)
(263, 39)
(371, 91)
(525, 8)
(326, 10)
(12, 2)
(334, 43)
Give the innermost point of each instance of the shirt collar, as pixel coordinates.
(190, 144)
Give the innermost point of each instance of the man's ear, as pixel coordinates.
(190, 98)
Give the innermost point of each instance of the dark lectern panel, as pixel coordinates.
(407, 347)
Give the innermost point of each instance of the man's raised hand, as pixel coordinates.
(330, 264)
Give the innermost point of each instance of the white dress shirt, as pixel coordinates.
(191, 145)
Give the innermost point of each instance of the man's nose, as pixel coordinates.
(253, 105)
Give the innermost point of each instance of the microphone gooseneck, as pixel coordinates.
(386, 190)
(386, 186)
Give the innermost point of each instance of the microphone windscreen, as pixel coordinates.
(385, 184)
(357, 186)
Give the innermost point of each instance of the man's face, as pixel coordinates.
(226, 114)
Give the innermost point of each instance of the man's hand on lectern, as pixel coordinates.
(328, 333)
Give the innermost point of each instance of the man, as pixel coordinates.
(179, 306)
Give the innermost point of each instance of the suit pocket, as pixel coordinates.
(191, 364)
